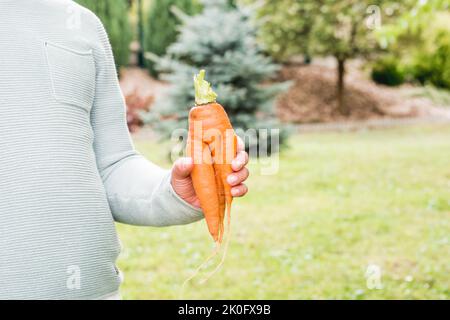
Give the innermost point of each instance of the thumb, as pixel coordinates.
(182, 168)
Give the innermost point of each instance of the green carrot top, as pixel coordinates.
(204, 94)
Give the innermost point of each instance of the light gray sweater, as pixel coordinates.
(68, 168)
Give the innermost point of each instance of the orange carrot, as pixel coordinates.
(212, 144)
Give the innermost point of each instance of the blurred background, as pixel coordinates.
(360, 90)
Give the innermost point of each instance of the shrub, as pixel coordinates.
(440, 63)
(136, 104)
(387, 71)
(434, 67)
(421, 40)
(420, 69)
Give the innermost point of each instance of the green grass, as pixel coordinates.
(340, 202)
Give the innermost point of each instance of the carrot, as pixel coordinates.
(212, 144)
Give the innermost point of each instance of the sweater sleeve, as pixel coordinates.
(138, 191)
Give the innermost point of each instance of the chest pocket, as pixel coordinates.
(72, 75)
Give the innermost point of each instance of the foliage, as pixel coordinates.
(136, 104)
(413, 25)
(343, 29)
(282, 23)
(161, 25)
(114, 16)
(340, 28)
(221, 40)
(434, 67)
(421, 38)
(312, 230)
(388, 71)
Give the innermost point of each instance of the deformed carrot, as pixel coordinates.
(212, 144)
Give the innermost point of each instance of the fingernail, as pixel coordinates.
(232, 179)
(187, 162)
(234, 192)
(238, 164)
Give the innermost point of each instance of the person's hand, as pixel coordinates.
(182, 182)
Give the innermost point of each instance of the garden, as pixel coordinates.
(353, 98)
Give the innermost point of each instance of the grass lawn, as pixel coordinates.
(340, 202)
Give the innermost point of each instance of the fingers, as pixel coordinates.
(239, 191)
(182, 183)
(240, 161)
(237, 178)
(241, 173)
(182, 168)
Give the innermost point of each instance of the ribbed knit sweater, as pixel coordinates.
(68, 168)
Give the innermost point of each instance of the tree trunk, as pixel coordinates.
(342, 107)
(141, 59)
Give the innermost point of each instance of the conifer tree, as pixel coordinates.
(161, 26)
(221, 40)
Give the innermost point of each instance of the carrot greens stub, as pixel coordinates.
(204, 94)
